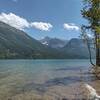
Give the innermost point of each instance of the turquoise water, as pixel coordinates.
(39, 75)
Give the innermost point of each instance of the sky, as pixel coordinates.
(39, 18)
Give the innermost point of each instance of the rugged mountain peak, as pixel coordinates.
(53, 42)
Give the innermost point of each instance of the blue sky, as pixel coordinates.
(54, 13)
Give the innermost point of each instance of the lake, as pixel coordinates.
(44, 79)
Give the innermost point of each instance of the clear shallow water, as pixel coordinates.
(40, 76)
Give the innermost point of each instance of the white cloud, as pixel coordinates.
(14, 21)
(41, 26)
(71, 26)
(21, 23)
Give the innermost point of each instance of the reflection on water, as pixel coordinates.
(43, 79)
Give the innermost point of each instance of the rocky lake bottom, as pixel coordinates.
(45, 79)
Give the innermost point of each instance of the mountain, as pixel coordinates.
(15, 43)
(76, 48)
(72, 49)
(53, 42)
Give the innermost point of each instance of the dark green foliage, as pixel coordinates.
(91, 12)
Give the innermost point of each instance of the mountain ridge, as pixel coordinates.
(53, 42)
(74, 48)
(16, 44)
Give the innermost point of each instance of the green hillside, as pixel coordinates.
(15, 43)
